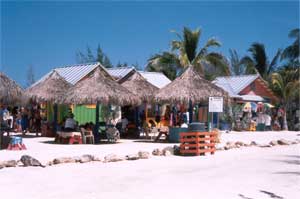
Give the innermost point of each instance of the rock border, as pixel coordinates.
(167, 151)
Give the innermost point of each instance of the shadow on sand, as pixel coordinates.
(101, 143)
(272, 195)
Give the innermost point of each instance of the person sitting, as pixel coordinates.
(70, 124)
(8, 118)
(124, 124)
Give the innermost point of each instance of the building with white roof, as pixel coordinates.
(155, 78)
(246, 87)
(75, 73)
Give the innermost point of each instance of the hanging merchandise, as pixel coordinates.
(268, 105)
(247, 107)
(260, 107)
(253, 106)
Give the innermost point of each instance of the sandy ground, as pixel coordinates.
(245, 173)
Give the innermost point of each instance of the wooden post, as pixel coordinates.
(218, 120)
(55, 110)
(96, 130)
(190, 111)
(212, 121)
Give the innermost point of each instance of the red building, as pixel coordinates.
(246, 88)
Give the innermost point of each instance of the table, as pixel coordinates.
(69, 137)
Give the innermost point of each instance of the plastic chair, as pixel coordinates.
(87, 136)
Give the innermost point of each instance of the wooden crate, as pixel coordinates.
(197, 143)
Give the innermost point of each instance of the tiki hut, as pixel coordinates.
(10, 91)
(190, 86)
(139, 86)
(100, 87)
(52, 89)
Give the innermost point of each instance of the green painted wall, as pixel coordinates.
(62, 112)
(84, 114)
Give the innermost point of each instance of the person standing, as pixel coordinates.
(260, 122)
(24, 120)
(268, 122)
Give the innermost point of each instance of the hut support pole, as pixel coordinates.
(190, 111)
(96, 131)
(136, 115)
(55, 110)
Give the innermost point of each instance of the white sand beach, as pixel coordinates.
(248, 172)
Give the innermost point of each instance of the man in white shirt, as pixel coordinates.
(267, 122)
(70, 123)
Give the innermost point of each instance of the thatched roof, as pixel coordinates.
(139, 86)
(52, 89)
(100, 87)
(189, 86)
(10, 91)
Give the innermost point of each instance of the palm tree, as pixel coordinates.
(258, 62)
(286, 84)
(184, 53)
(236, 65)
(292, 52)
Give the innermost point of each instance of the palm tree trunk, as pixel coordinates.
(285, 125)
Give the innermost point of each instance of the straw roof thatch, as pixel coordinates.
(100, 87)
(189, 86)
(10, 91)
(139, 86)
(52, 89)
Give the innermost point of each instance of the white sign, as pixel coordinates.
(215, 104)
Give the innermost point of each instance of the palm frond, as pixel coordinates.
(274, 61)
(294, 34)
(259, 56)
(219, 62)
(210, 43)
(190, 42)
(249, 65)
(175, 45)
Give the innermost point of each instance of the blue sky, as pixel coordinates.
(48, 34)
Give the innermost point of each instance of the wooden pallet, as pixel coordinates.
(197, 143)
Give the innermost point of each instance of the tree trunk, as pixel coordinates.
(285, 125)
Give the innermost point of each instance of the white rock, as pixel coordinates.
(253, 143)
(157, 152)
(9, 163)
(86, 158)
(166, 153)
(283, 142)
(132, 157)
(144, 154)
(63, 160)
(112, 158)
(170, 149)
(273, 143)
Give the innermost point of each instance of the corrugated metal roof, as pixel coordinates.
(157, 79)
(120, 72)
(73, 73)
(235, 83)
(254, 98)
(229, 90)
